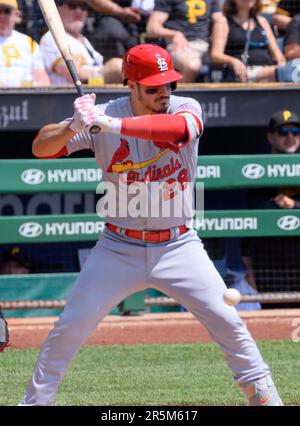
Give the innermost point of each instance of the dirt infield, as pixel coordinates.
(179, 327)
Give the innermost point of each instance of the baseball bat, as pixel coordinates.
(55, 25)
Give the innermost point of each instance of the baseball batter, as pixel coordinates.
(147, 140)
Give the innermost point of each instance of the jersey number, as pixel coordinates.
(171, 185)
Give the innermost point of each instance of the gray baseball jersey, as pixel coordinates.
(163, 175)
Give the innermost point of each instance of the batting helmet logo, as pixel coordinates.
(150, 65)
(162, 64)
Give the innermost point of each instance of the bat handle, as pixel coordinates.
(74, 75)
(70, 64)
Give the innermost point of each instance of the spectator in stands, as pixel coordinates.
(20, 56)
(285, 11)
(284, 138)
(274, 262)
(185, 28)
(15, 261)
(89, 63)
(291, 71)
(292, 39)
(243, 42)
(117, 27)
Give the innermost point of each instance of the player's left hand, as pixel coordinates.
(4, 334)
(284, 202)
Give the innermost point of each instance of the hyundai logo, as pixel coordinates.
(253, 171)
(30, 230)
(288, 223)
(33, 176)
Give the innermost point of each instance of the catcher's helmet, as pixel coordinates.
(150, 65)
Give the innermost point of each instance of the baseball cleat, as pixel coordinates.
(261, 392)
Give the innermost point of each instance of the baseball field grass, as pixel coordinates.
(172, 374)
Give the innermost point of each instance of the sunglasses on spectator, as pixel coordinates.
(73, 6)
(5, 11)
(153, 90)
(284, 131)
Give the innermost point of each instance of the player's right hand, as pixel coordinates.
(84, 112)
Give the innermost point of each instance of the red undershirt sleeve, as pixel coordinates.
(62, 152)
(160, 127)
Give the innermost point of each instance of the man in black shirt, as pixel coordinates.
(185, 26)
(274, 262)
(284, 138)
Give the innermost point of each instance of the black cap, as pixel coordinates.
(16, 254)
(282, 118)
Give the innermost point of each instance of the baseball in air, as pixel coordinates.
(232, 297)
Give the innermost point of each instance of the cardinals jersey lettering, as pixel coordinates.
(160, 171)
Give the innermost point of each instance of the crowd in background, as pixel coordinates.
(209, 40)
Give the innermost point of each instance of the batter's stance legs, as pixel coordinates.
(197, 285)
(180, 269)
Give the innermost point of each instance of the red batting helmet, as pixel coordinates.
(150, 65)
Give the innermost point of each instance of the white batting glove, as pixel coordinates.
(84, 110)
(105, 123)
